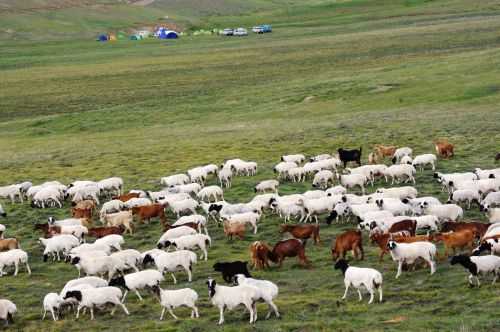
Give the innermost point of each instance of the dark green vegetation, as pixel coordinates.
(331, 74)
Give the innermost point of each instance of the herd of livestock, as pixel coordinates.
(397, 219)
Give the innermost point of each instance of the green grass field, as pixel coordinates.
(332, 74)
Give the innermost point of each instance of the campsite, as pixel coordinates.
(350, 74)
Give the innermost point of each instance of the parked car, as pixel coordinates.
(258, 29)
(227, 32)
(240, 32)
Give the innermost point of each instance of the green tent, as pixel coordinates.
(135, 37)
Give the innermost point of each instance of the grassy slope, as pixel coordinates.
(402, 73)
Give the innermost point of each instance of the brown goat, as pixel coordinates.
(259, 252)
(146, 212)
(347, 241)
(444, 149)
(407, 225)
(478, 228)
(85, 204)
(99, 232)
(302, 232)
(234, 229)
(455, 240)
(126, 197)
(81, 213)
(9, 244)
(385, 151)
(289, 248)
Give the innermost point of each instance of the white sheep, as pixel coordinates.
(491, 200)
(313, 194)
(230, 297)
(91, 281)
(350, 181)
(427, 221)
(416, 203)
(398, 192)
(266, 290)
(7, 310)
(320, 157)
(111, 186)
(400, 153)
(336, 190)
(210, 192)
(187, 205)
(282, 169)
(112, 240)
(423, 160)
(191, 242)
(465, 195)
(173, 180)
(406, 160)
(2, 212)
(86, 247)
(14, 257)
(293, 158)
(171, 299)
(251, 218)
(289, 210)
(52, 303)
(450, 212)
(359, 277)
(12, 191)
(136, 281)
(75, 230)
(225, 176)
(322, 179)
(137, 201)
(190, 188)
(45, 196)
(399, 173)
(494, 215)
(394, 205)
(479, 265)
(67, 222)
(487, 173)
(175, 233)
(130, 258)
(409, 252)
(124, 218)
(200, 220)
(198, 175)
(211, 169)
(297, 174)
(112, 206)
(315, 207)
(171, 261)
(96, 297)
(58, 244)
(263, 186)
(98, 266)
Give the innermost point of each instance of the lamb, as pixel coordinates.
(124, 218)
(283, 168)
(359, 277)
(7, 310)
(186, 205)
(423, 160)
(230, 297)
(96, 297)
(210, 192)
(464, 195)
(171, 299)
(52, 303)
(297, 174)
(189, 242)
(353, 180)
(173, 180)
(322, 179)
(399, 173)
(112, 206)
(287, 211)
(194, 218)
(427, 221)
(395, 206)
(46, 195)
(171, 261)
(225, 176)
(197, 175)
(251, 218)
(263, 186)
(409, 252)
(58, 244)
(293, 158)
(14, 257)
(173, 234)
(136, 281)
(112, 185)
(400, 153)
(478, 265)
(314, 207)
(266, 290)
(13, 191)
(444, 212)
(416, 202)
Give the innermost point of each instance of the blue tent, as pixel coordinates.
(102, 38)
(167, 34)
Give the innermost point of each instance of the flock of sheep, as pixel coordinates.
(392, 216)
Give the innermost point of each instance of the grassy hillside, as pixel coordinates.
(331, 74)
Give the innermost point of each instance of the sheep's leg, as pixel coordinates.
(190, 275)
(274, 308)
(138, 295)
(478, 282)
(173, 278)
(346, 290)
(78, 312)
(221, 315)
(53, 315)
(360, 296)
(205, 254)
(433, 266)
(124, 308)
(28, 268)
(172, 313)
(124, 296)
(400, 269)
(44, 313)
(92, 313)
(250, 309)
(380, 293)
(162, 313)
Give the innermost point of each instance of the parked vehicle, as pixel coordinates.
(240, 32)
(227, 32)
